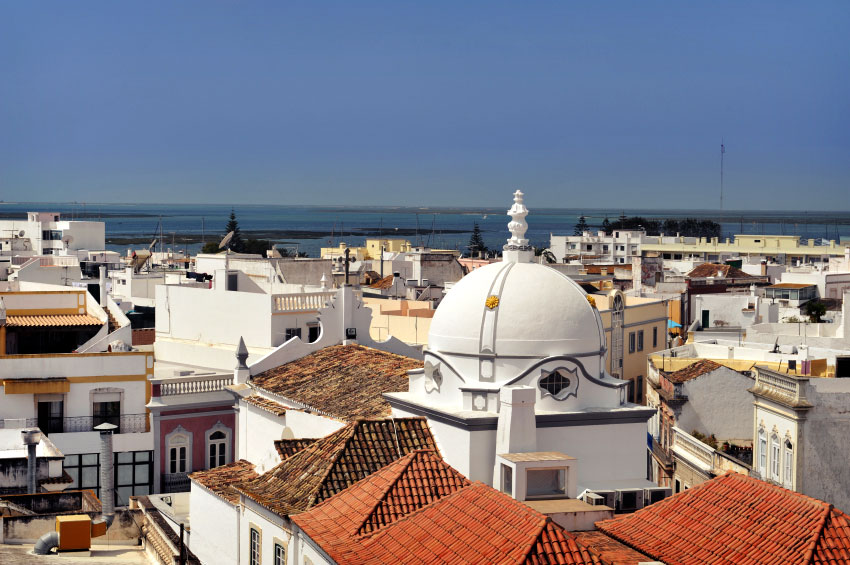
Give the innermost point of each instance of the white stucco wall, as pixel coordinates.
(271, 527)
(215, 527)
(718, 403)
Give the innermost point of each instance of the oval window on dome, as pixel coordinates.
(559, 383)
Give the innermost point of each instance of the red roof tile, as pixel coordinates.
(609, 550)
(717, 270)
(333, 463)
(289, 447)
(735, 519)
(420, 510)
(341, 381)
(220, 480)
(384, 283)
(692, 371)
(265, 404)
(53, 320)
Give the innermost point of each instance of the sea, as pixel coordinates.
(308, 228)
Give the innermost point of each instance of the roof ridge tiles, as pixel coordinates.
(811, 547)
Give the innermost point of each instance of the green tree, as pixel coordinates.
(256, 246)
(815, 309)
(476, 241)
(606, 226)
(236, 244)
(581, 226)
(210, 247)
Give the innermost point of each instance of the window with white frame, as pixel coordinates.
(255, 547)
(218, 445)
(787, 477)
(178, 445)
(762, 453)
(279, 554)
(217, 449)
(774, 457)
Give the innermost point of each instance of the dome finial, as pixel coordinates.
(517, 249)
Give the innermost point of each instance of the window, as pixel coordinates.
(106, 412)
(557, 383)
(255, 547)
(279, 554)
(218, 449)
(84, 470)
(545, 482)
(774, 458)
(631, 342)
(605, 248)
(640, 340)
(678, 488)
(588, 247)
(50, 412)
(654, 338)
(178, 452)
(507, 480)
(292, 332)
(639, 389)
(312, 332)
(762, 453)
(787, 477)
(133, 475)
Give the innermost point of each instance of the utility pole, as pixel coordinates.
(722, 152)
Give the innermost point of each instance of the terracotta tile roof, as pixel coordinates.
(717, 270)
(384, 283)
(289, 447)
(341, 381)
(220, 480)
(735, 519)
(692, 371)
(420, 510)
(61, 479)
(53, 321)
(609, 550)
(335, 462)
(265, 404)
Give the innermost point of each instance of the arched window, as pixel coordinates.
(218, 445)
(788, 471)
(762, 453)
(178, 454)
(774, 457)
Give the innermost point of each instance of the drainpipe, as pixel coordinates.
(103, 286)
(107, 474)
(31, 438)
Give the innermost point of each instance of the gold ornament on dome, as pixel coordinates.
(591, 300)
(491, 302)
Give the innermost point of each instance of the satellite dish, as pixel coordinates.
(67, 240)
(226, 241)
(21, 233)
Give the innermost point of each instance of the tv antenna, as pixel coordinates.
(722, 153)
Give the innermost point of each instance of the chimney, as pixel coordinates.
(103, 286)
(516, 431)
(107, 476)
(31, 438)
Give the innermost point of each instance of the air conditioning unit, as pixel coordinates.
(629, 499)
(609, 498)
(655, 494)
(593, 499)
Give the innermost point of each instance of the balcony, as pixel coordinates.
(127, 423)
(789, 390)
(693, 450)
(175, 482)
(191, 384)
(300, 302)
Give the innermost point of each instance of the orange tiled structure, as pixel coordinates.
(420, 510)
(341, 381)
(692, 371)
(220, 480)
(289, 447)
(331, 464)
(717, 270)
(275, 408)
(735, 519)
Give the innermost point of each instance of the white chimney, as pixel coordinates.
(103, 286)
(516, 431)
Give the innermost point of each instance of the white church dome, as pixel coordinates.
(516, 309)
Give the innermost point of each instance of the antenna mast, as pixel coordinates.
(722, 152)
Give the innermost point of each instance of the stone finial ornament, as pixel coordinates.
(241, 354)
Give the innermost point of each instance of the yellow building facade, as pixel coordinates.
(770, 246)
(371, 250)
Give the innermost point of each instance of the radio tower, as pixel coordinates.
(722, 152)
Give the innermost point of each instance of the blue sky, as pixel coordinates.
(432, 103)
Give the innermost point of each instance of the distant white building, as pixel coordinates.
(619, 247)
(48, 234)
